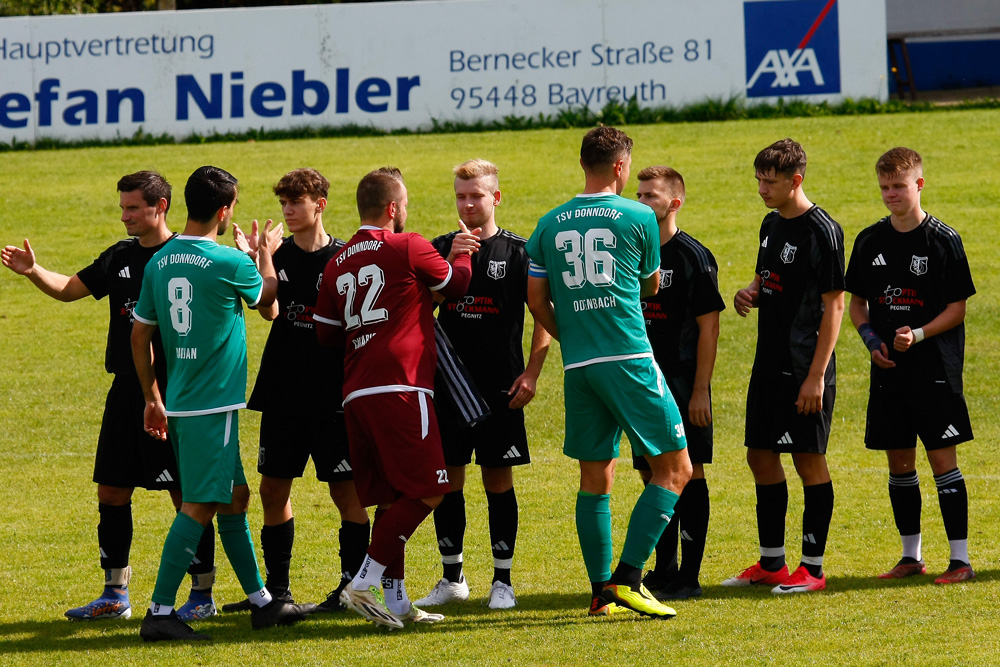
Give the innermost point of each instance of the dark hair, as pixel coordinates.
(153, 186)
(898, 160)
(377, 190)
(208, 189)
(302, 182)
(784, 157)
(603, 147)
(672, 177)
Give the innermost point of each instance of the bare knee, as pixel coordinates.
(114, 495)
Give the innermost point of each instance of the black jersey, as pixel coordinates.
(689, 288)
(799, 260)
(908, 278)
(117, 274)
(296, 372)
(486, 325)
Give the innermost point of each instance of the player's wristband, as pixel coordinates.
(918, 335)
(869, 337)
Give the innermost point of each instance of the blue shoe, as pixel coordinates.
(113, 603)
(199, 606)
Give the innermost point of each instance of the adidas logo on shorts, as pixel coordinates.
(164, 477)
(785, 439)
(949, 432)
(512, 453)
(343, 467)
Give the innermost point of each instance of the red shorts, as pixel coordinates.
(395, 447)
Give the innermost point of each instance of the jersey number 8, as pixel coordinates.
(179, 293)
(588, 263)
(347, 284)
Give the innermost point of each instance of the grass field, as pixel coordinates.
(52, 388)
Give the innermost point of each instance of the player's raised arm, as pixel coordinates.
(56, 285)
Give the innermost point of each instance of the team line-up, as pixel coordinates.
(638, 358)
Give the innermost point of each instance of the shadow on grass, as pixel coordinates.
(843, 584)
(58, 635)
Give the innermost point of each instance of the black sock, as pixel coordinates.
(904, 496)
(666, 546)
(817, 512)
(449, 524)
(276, 542)
(693, 529)
(596, 588)
(204, 557)
(353, 539)
(503, 531)
(114, 534)
(772, 506)
(626, 575)
(954, 501)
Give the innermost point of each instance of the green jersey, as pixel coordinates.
(192, 290)
(594, 250)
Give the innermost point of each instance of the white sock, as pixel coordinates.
(396, 598)
(161, 609)
(911, 546)
(260, 598)
(369, 574)
(959, 550)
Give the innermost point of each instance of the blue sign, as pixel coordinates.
(792, 48)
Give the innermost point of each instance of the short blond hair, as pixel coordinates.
(669, 175)
(899, 160)
(479, 168)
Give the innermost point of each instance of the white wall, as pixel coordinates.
(401, 64)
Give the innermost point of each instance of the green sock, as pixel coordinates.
(178, 551)
(234, 531)
(593, 526)
(651, 515)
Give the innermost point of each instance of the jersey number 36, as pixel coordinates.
(588, 259)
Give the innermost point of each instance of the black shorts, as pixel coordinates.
(127, 456)
(895, 421)
(287, 441)
(773, 422)
(699, 439)
(499, 440)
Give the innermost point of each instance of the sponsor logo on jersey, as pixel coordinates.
(128, 308)
(666, 278)
(792, 47)
(879, 261)
(788, 253)
(918, 265)
(497, 270)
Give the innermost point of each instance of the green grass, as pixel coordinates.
(52, 388)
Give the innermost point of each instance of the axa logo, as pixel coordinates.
(792, 47)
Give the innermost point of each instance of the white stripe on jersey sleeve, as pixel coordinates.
(447, 279)
(325, 320)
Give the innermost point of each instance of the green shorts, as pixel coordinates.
(605, 398)
(208, 456)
